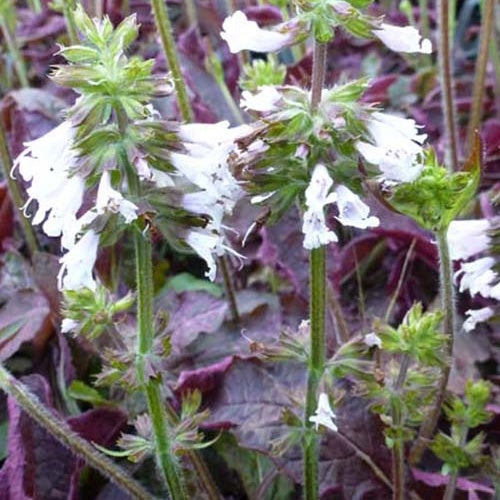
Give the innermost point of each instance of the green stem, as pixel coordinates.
(487, 19)
(446, 77)
(449, 493)
(69, 16)
(60, 429)
(448, 307)
(15, 53)
(151, 386)
(35, 6)
(317, 307)
(164, 27)
(15, 192)
(191, 13)
(495, 57)
(398, 459)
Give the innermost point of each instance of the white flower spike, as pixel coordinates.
(403, 39)
(396, 148)
(48, 163)
(324, 414)
(242, 34)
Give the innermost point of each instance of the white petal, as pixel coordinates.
(242, 34)
(78, 263)
(468, 237)
(403, 39)
(110, 200)
(316, 232)
(477, 316)
(264, 101)
(352, 211)
(324, 414)
(477, 276)
(372, 339)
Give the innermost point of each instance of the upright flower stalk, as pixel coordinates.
(487, 25)
(446, 77)
(448, 307)
(317, 306)
(60, 429)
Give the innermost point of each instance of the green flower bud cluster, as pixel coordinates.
(262, 72)
(90, 313)
(437, 196)
(455, 449)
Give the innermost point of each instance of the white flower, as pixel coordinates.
(352, 211)
(264, 101)
(372, 339)
(110, 200)
(211, 173)
(316, 232)
(324, 415)
(242, 34)
(468, 237)
(403, 39)
(478, 277)
(397, 147)
(78, 263)
(477, 316)
(48, 163)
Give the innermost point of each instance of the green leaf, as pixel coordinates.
(83, 392)
(185, 282)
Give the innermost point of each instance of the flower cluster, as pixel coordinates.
(321, 18)
(114, 139)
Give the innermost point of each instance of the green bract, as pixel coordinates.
(437, 197)
(262, 72)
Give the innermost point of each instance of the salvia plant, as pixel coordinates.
(117, 178)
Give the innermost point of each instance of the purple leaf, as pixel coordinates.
(38, 466)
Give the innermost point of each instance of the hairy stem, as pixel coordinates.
(69, 16)
(398, 459)
(449, 493)
(487, 19)
(60, 429)
(151, 386)
(164, 28)
(317, 307)
(229, 289)
(446, 76)
(448, 307)
(15, 192)
(15, 53)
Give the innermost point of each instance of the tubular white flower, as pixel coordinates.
(211, 173)
(78, 263)
(242, 34)
(397, 147)
(324, 414)
(48, 163)
(110, 200)
(476, 316)
(352, 211)
(478, 277)
(403, 39)
(264, 101)
(468, 237)
(316, 232)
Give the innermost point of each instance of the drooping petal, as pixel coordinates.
(324, 414)
(352, 211)
(396, 149)
(403, 39)
(78, 264)
(242, 34)
(468, 237)
(476, 316)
